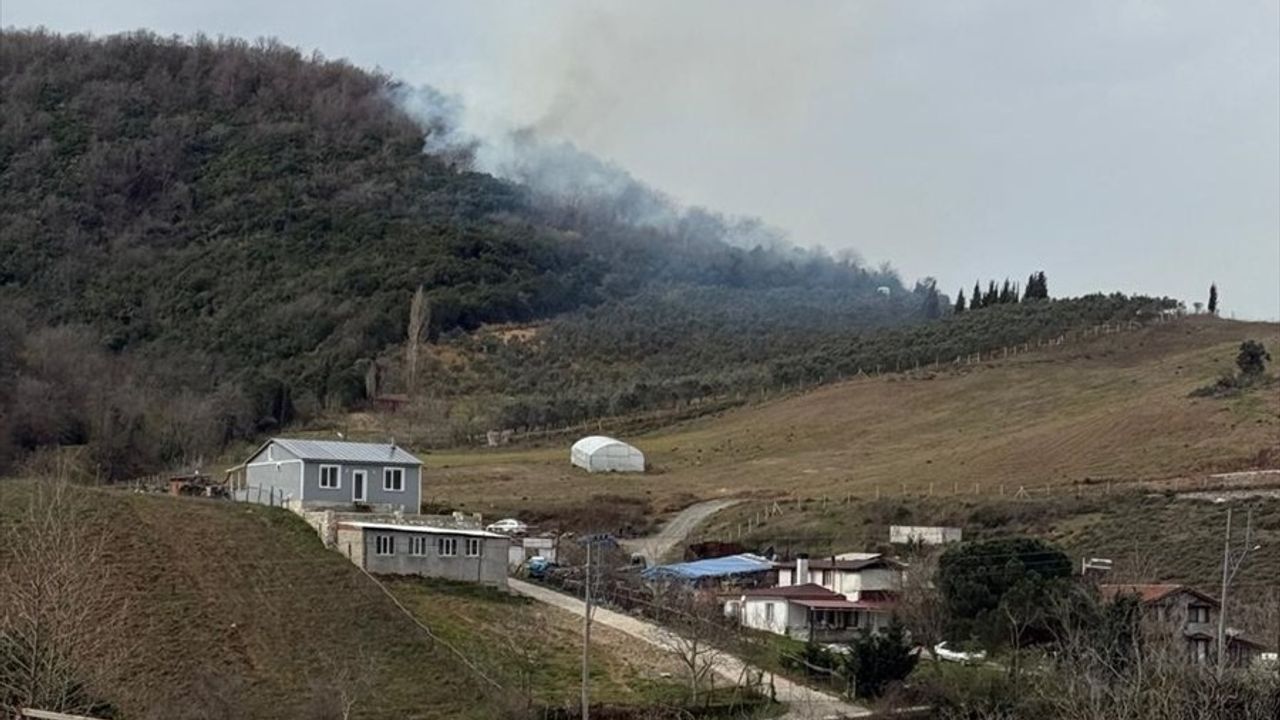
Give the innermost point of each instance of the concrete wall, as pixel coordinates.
(490, 568)
(923, 534)
(852, 584)
(755, 614)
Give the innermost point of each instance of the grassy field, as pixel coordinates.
(1111, 408)
(537, 647)
(1151, 537)
(238, 610)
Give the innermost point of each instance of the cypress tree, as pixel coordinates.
(1005, 291)
(959, 308)
(992, 295)
(1213, 299)
(975, 300)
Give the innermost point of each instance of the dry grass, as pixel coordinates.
(1114, 408)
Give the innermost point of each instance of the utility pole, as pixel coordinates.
(586, 639)
(1230, 566)
(589, 541)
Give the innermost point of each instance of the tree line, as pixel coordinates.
(1037, 288)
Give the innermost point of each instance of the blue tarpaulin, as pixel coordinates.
(709, 568)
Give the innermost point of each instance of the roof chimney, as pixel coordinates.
(801, 575)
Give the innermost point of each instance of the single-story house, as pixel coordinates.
(316, 474)
(403, 549)
(740, 570)
(1191, 614)
(809, 612)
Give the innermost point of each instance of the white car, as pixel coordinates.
(942, 652)
(509, 526)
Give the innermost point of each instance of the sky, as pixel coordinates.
(1122, 145)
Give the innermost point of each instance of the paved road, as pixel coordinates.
(655, 547)
(803, 703)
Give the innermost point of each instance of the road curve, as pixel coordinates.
(803, 703)
(655, 547)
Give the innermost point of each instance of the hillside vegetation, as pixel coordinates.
(668, 350)
(231, 234)
(176, 609)
(1110, 408)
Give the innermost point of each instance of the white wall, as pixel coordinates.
(754, 615)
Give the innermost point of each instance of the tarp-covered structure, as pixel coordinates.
(597, 453)
(721, 568)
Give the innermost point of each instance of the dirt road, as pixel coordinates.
(802, 703)
(655, 547)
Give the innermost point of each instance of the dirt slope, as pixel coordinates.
(237, 611)
(1116, 407)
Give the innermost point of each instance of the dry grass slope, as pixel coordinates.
(238, 611)
(1114, 408)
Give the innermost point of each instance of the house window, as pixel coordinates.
(393, 479)
(418, 545)
(1200, 650)
(330, 477)
(1198, 614)
(447, 547)
(473, 547)
(384, 545)
(768, 613)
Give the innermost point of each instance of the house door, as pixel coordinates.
(358, 478)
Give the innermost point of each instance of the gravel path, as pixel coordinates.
(655, 547)
(803, 703)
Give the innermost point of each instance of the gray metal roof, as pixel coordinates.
(340, 451)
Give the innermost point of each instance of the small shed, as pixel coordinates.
(597, 453)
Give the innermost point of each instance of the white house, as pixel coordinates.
(808, 612)
(852, 575)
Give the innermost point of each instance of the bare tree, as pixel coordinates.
(921, 608)
(343, 679)
(695, 632)
(62, 617)
(419, 319)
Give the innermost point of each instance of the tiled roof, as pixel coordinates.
(808, 591)
(1151, 592)
(864, 563)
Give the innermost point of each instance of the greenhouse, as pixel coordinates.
(597, 453)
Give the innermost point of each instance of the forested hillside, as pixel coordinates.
(225, 233)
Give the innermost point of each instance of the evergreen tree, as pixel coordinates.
(876, 660)
(1037, 287)
(959, 308)
(1006, 291)
(1213, 299)
(975, 300)
(931, 306)
(992, 295)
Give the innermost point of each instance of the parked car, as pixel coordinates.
(951, 653)
(508, 526)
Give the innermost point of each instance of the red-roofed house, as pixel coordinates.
(829, 600)
(1193, 613)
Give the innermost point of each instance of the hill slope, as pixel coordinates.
(244, 226)
(1114, 407)
(181, 608)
